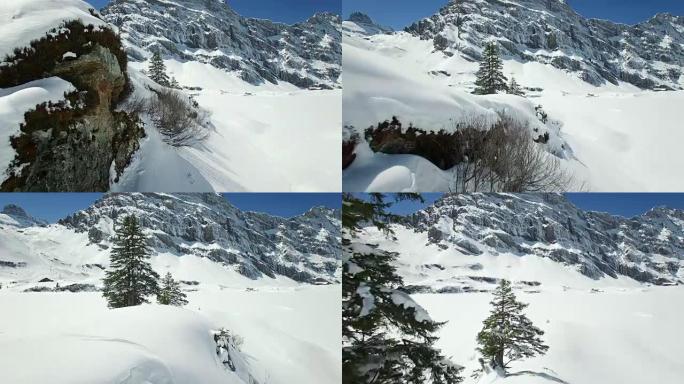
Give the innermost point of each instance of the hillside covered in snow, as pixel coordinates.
(590, 85)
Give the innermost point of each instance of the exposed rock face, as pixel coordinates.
(648, 55)
(305, 248)
(361, 23)
(306, 54)
(647, 248)
(78, 145)
(15, 216)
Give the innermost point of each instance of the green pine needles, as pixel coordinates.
(490, 77)
(508, 334)
(158, 70)
(130, 279)
(387, 337)
(170, 292)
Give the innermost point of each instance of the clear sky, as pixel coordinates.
(285, 11)
(401, 13)
(54, 206)
(622, 204)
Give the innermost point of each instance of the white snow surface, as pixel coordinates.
(75, 339)
(611, 132)
(22, 21)
(268, 138)
(15, 102)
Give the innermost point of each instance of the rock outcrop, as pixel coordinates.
(83, 143)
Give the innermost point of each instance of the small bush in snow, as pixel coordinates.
(178, 118)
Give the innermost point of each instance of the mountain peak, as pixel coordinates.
(14, 210)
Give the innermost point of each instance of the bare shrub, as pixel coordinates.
(510, 160)
(178, 118)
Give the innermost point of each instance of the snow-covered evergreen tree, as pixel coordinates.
(514, 88)
(174, 83)
(170, 292)
(490, 77)
(507, 334)
(130, 279)
(387, 337)
(158, 70)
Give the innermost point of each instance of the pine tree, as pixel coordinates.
(507, 334)
(514, 88)
(131, 278)
(387, 337)
(158, 70)
(170, 292)
(490, 77)
(174, 83)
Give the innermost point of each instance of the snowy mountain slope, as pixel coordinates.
(361, 23)
(306, 54)
(648, 248)
(600, 127)
(190, 234)
(648, 55)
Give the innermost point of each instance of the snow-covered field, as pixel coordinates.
(599, 331)
(291, 335)
(611, 132)
(619, 335)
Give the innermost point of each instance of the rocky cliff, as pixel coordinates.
(306, 54)
(649, 54)
(648, 248)
(305, 248)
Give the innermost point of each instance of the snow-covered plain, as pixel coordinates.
(599, 331)
(290, 330)
(610, 131)
(290, 335)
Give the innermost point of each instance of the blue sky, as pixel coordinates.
(55, 206)
(285, 11)
(622, 204)
(401, 13)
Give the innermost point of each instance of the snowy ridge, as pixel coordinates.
(648, 55)
(306, 54)
(547, 228)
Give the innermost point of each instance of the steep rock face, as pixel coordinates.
(647, 248)
(82, 143)
(648, 55)
(305, 248)
(361, 23)
(15, 216)
(306, 54)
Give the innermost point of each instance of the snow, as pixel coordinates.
(266, 138)
(616, 336)
(69, 55)
(368, 300)
(165, 345)
(22, 21)
(404, 300)
(15, 102)
(609, 132)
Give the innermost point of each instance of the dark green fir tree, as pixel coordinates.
(490, 77)
(514, 88)
(387, 337)
(170, 292)
(508, 335)
(157, 70)
(130, 279)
